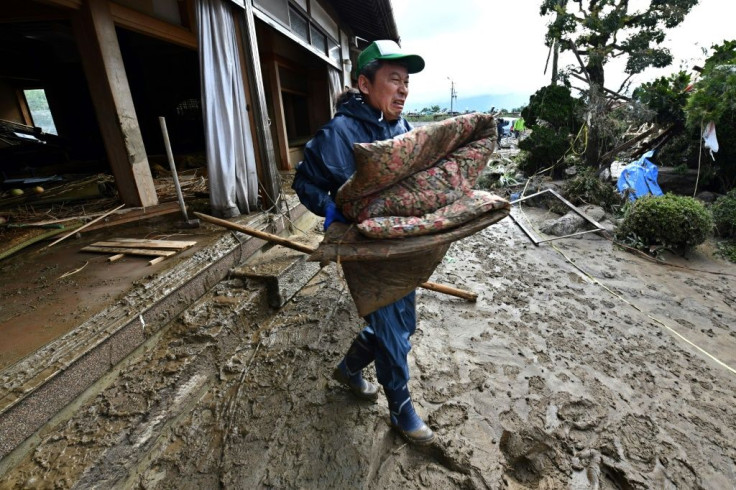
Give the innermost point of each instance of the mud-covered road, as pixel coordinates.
(580, 366)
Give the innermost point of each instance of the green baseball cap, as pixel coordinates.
(389, 50)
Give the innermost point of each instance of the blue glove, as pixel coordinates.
(333, 214)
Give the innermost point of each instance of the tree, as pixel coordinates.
(553, 116)
(714, 99)
(600, 30)
(667, 97)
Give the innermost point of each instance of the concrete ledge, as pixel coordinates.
(283, 273)
(36, 388)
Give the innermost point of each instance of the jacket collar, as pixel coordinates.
(356, 107)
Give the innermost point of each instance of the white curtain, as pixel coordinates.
(335, 87)
(230, 156)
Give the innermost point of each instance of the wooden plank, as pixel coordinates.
(156, 260)
(280, 118)
(154, 244)
(129, 251)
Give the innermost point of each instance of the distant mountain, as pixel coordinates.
(481, 103)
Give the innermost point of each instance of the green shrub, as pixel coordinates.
(724, 214)
(727, 250)
(555, 105)
(544, 148)
(666, 96)
(587, 188)
(553, 116)
(678, 223)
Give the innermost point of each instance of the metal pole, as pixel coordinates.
(452, 95)
(170, 156)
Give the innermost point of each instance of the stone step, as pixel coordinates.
(283, 271)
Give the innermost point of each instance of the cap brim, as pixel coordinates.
(414, 62)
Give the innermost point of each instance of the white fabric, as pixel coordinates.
(335, 87)
(709, 137)
(231, 159)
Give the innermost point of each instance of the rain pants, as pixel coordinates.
(328, 163)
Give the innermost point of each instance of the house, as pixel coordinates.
(83, 84)
(241, 83)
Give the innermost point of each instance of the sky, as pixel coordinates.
(493, 51)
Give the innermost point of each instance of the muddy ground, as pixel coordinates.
(580, 366)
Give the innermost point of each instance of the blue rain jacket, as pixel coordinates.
(328, 163)
(328, 157)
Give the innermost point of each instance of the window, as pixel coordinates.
(279, 9)
(333, 50)
(38, 106)
(319, 40)
(299, 24)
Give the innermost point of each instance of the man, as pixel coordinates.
(519, 127)
(372, 113)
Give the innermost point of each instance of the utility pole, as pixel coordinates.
(453, 94)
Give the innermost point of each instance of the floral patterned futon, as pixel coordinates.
(422, 181)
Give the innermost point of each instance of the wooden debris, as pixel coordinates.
(160, 249)
(84, 226)
(137, 214)
(154, 244)
(156, 260)
(67, 274)
(129, 251)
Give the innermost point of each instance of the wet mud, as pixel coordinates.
(580, 366)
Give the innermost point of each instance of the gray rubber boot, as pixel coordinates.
(349, 371)
(358, 386)
(404, 418)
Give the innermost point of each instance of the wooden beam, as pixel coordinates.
(72, 4)
(159, 29)
(31, 12)
(269, 178)
(23, 106)
(278, 111)
(108, 85)
(260, 164)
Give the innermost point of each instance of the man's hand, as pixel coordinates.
(333, 214)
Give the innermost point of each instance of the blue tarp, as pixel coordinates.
(639, 178)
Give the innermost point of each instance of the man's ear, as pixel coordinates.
(364, 84)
